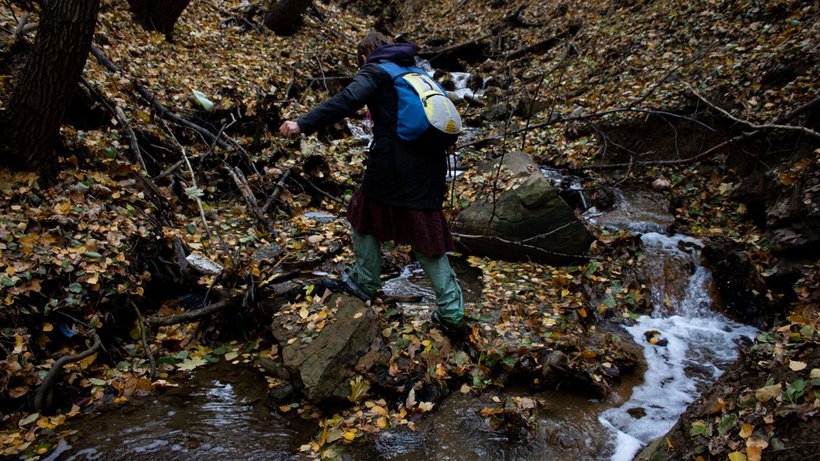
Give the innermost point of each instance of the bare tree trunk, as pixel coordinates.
(44, 90)
(158, 15)
(284, 16)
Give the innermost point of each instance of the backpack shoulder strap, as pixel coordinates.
(396, 71)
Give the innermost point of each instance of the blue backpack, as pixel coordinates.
(425, 113)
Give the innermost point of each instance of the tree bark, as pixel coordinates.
(44, 90)
(158, 15)
(284, 16)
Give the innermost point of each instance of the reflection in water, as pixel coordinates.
(220, 414)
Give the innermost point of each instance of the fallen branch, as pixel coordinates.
(119, 115)
(438, 52)
(158, 106)
(250, 199)
(189, 316)
(542, 46)
(594, 115)
(276, 190)
(754, 126)
(316, 188)
(44, 395)
(681, 161)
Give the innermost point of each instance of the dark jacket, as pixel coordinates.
(397, 173)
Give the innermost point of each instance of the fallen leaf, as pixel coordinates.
(797, 365)
(766, 393)
(737, 456)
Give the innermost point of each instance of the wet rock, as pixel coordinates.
(636, 412)
(267, 252)
(348, 345)
(274, 368)
(741, 290)
(553, 367)
(500, 111)
(284, 393)
(532, 212)
(655, 338)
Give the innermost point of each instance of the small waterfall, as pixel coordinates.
(701, 345)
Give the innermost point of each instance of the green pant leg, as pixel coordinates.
(368, 265)
(449, 300)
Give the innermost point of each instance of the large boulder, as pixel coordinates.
(321, 361)
(529, 221)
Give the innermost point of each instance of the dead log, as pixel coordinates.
(285, 16)
(158, 15)
(471, 50)
(542, 46)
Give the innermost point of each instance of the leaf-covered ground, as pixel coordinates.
(78, 251)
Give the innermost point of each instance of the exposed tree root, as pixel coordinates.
(44, 396)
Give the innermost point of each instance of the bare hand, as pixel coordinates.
(289, 129)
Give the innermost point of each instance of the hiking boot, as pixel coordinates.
(454, 332)
(353, 288)
(345, 285)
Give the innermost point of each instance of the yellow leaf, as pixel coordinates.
(737, 456)
(304, 313)
(426, 406)
(746, 430)
(766, 393)
(349, 435)
(381, 422)
(47, 327)
(86, 362)
(357, 315)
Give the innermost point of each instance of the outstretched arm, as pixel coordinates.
(344, 104)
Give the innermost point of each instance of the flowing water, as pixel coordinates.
(701, 345)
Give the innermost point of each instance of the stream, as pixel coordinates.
(222, 411)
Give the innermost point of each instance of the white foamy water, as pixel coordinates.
(701, 345)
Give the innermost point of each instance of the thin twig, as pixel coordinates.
(524, 245)
(316, 188)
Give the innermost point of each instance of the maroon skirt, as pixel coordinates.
(425, 230)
